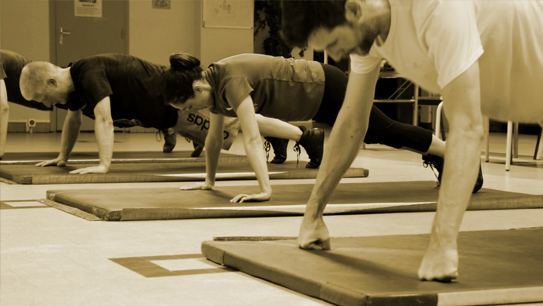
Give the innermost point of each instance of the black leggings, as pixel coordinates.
(381, 129)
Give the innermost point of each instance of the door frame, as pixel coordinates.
(53, 45)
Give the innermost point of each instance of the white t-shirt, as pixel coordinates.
(432, 42)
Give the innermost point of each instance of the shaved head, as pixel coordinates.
(34, 78)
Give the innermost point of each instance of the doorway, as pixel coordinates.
(80, 28)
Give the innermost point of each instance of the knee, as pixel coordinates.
(390, 134)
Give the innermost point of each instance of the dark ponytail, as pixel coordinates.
(183, 61)
(177, 81)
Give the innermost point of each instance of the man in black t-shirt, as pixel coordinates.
(109, 88)
(11, 65)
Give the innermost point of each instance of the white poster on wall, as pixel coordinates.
(231, 14)
(88, 8)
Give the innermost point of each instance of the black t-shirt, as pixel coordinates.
(132, 84)
(11, 65)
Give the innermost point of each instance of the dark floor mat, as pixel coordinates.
(287, 200)
(496, 267)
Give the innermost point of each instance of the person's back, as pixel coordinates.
(272, 82)
(511, 66)
(131, 83)
(11, 64)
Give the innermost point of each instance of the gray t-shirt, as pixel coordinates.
(286, 89)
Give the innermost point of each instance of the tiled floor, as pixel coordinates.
(49, 257)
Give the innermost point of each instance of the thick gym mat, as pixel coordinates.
(157, 172)
(32, 158)
(496, 267)
(287, 200)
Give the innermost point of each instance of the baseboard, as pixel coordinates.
(20, 127)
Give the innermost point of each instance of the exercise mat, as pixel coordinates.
(157, 172)
(32, 158)
(287, 200)
(496, 267)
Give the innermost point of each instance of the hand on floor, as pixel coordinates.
(197, 186)
(53, 162)
(88, 170)
(314, 235)
(259, 197)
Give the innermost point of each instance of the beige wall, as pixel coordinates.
(154, 34)
(220, 43)
(24, 28)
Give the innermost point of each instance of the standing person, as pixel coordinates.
(11, 65)
(285, 89)
(482, 56)
(107, 88)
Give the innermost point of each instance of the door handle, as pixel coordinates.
(62, 33)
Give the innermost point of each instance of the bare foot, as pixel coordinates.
(439, 264)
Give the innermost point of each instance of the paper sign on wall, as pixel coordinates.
(88, 8)
(232, 14)
(162, 4)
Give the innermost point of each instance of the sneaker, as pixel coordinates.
(313, 142)
(279, 149)
(436, 164)
(170, 139)
(480, 180)
(198, 148)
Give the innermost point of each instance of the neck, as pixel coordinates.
(65, 78)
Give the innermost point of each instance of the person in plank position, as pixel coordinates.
(11, 65)
(113, 89)
(483, 57)
(10, 71)
(259, 90)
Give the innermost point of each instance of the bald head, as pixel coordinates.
(34, 79)
(46, 83)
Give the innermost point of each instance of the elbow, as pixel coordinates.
(74, 121)
(213, 142)
(105, 122)
(4, 108)
(253, 141)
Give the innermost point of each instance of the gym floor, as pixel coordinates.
(49, 257)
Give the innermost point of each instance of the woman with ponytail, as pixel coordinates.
(257, 88)
(187, 86)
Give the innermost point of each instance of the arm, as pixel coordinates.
(70, 132)
(462, 105)
(103, 130)
(253, 148)
(4, 116)
(345, 140)
(214, 140)
(213, 145)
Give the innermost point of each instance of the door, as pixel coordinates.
(83, 28)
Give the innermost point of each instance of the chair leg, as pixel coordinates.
(443, 136)
(539, 146)
(440, 125)
(486, 125)
(438, 119)
(515, 139)
(508, 145)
